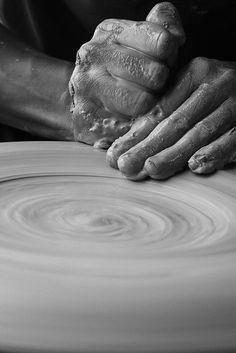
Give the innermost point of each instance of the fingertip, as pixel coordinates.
(137, 177)
(163, 8)
(166, 14)
(129, 164)
(119, 146)
(111, 158)
(157, 168)
(200, 167)
(102, 143)
(159, 74)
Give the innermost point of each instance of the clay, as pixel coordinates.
(92, 262)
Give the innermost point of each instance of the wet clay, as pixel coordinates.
(92, 262)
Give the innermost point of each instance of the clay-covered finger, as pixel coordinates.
(202, 102)
(216, 155)
(146, 37)
(166, 15)
(112, 92)
(173, 159)
(122, 62)
(108, 29)
(139, 130)
(146, 124)
(183, 88)
(121, 96)
(134, 66)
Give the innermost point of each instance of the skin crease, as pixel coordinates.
(188, 125)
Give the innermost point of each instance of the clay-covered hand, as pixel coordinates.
(120, 71)
(193, 123)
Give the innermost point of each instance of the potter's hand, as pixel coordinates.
(193, 123)
(120, 71)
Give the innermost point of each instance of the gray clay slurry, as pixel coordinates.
(91, 262)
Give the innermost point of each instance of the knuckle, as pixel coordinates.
(111, 25)
(89, 54)
(164, 42)
(158, 75)
(181, 122)
(204, 129)
(79, 83)
(140, 25)
(84, 55)
(143, 102)
(90, 59)
(158, 113)
(105, 24)
(200, 64)
(205, 87)
(72, 94)
(228, 74)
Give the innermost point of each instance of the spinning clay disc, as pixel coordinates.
(92, 262)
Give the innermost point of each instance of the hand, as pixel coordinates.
(193, 123)
(120, 71)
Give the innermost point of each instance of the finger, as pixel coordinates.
(201, 103)
(120, 96)
(215, 155)
(136, 67)
(173, 159)
(143, 126)
(123, 62)
(166, 15)
(108, 29)
(147, 37)
(96, 126)
(139, 131)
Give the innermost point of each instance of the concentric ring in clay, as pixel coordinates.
(91, 262)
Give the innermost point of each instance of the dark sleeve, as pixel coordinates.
(45, 25)
(19, 17)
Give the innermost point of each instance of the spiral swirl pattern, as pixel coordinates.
(90, 261)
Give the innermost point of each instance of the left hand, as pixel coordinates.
(120, 72)
(194, 123)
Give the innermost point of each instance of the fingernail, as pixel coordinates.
(193, 164)
(201, 164)
(129, 164)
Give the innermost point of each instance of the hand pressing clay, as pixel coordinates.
(120, 72)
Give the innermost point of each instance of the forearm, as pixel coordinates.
(34, 93)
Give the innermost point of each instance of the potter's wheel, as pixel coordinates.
(91, 262)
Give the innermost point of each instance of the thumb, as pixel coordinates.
(166, 15)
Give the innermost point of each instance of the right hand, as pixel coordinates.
(120, 71)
